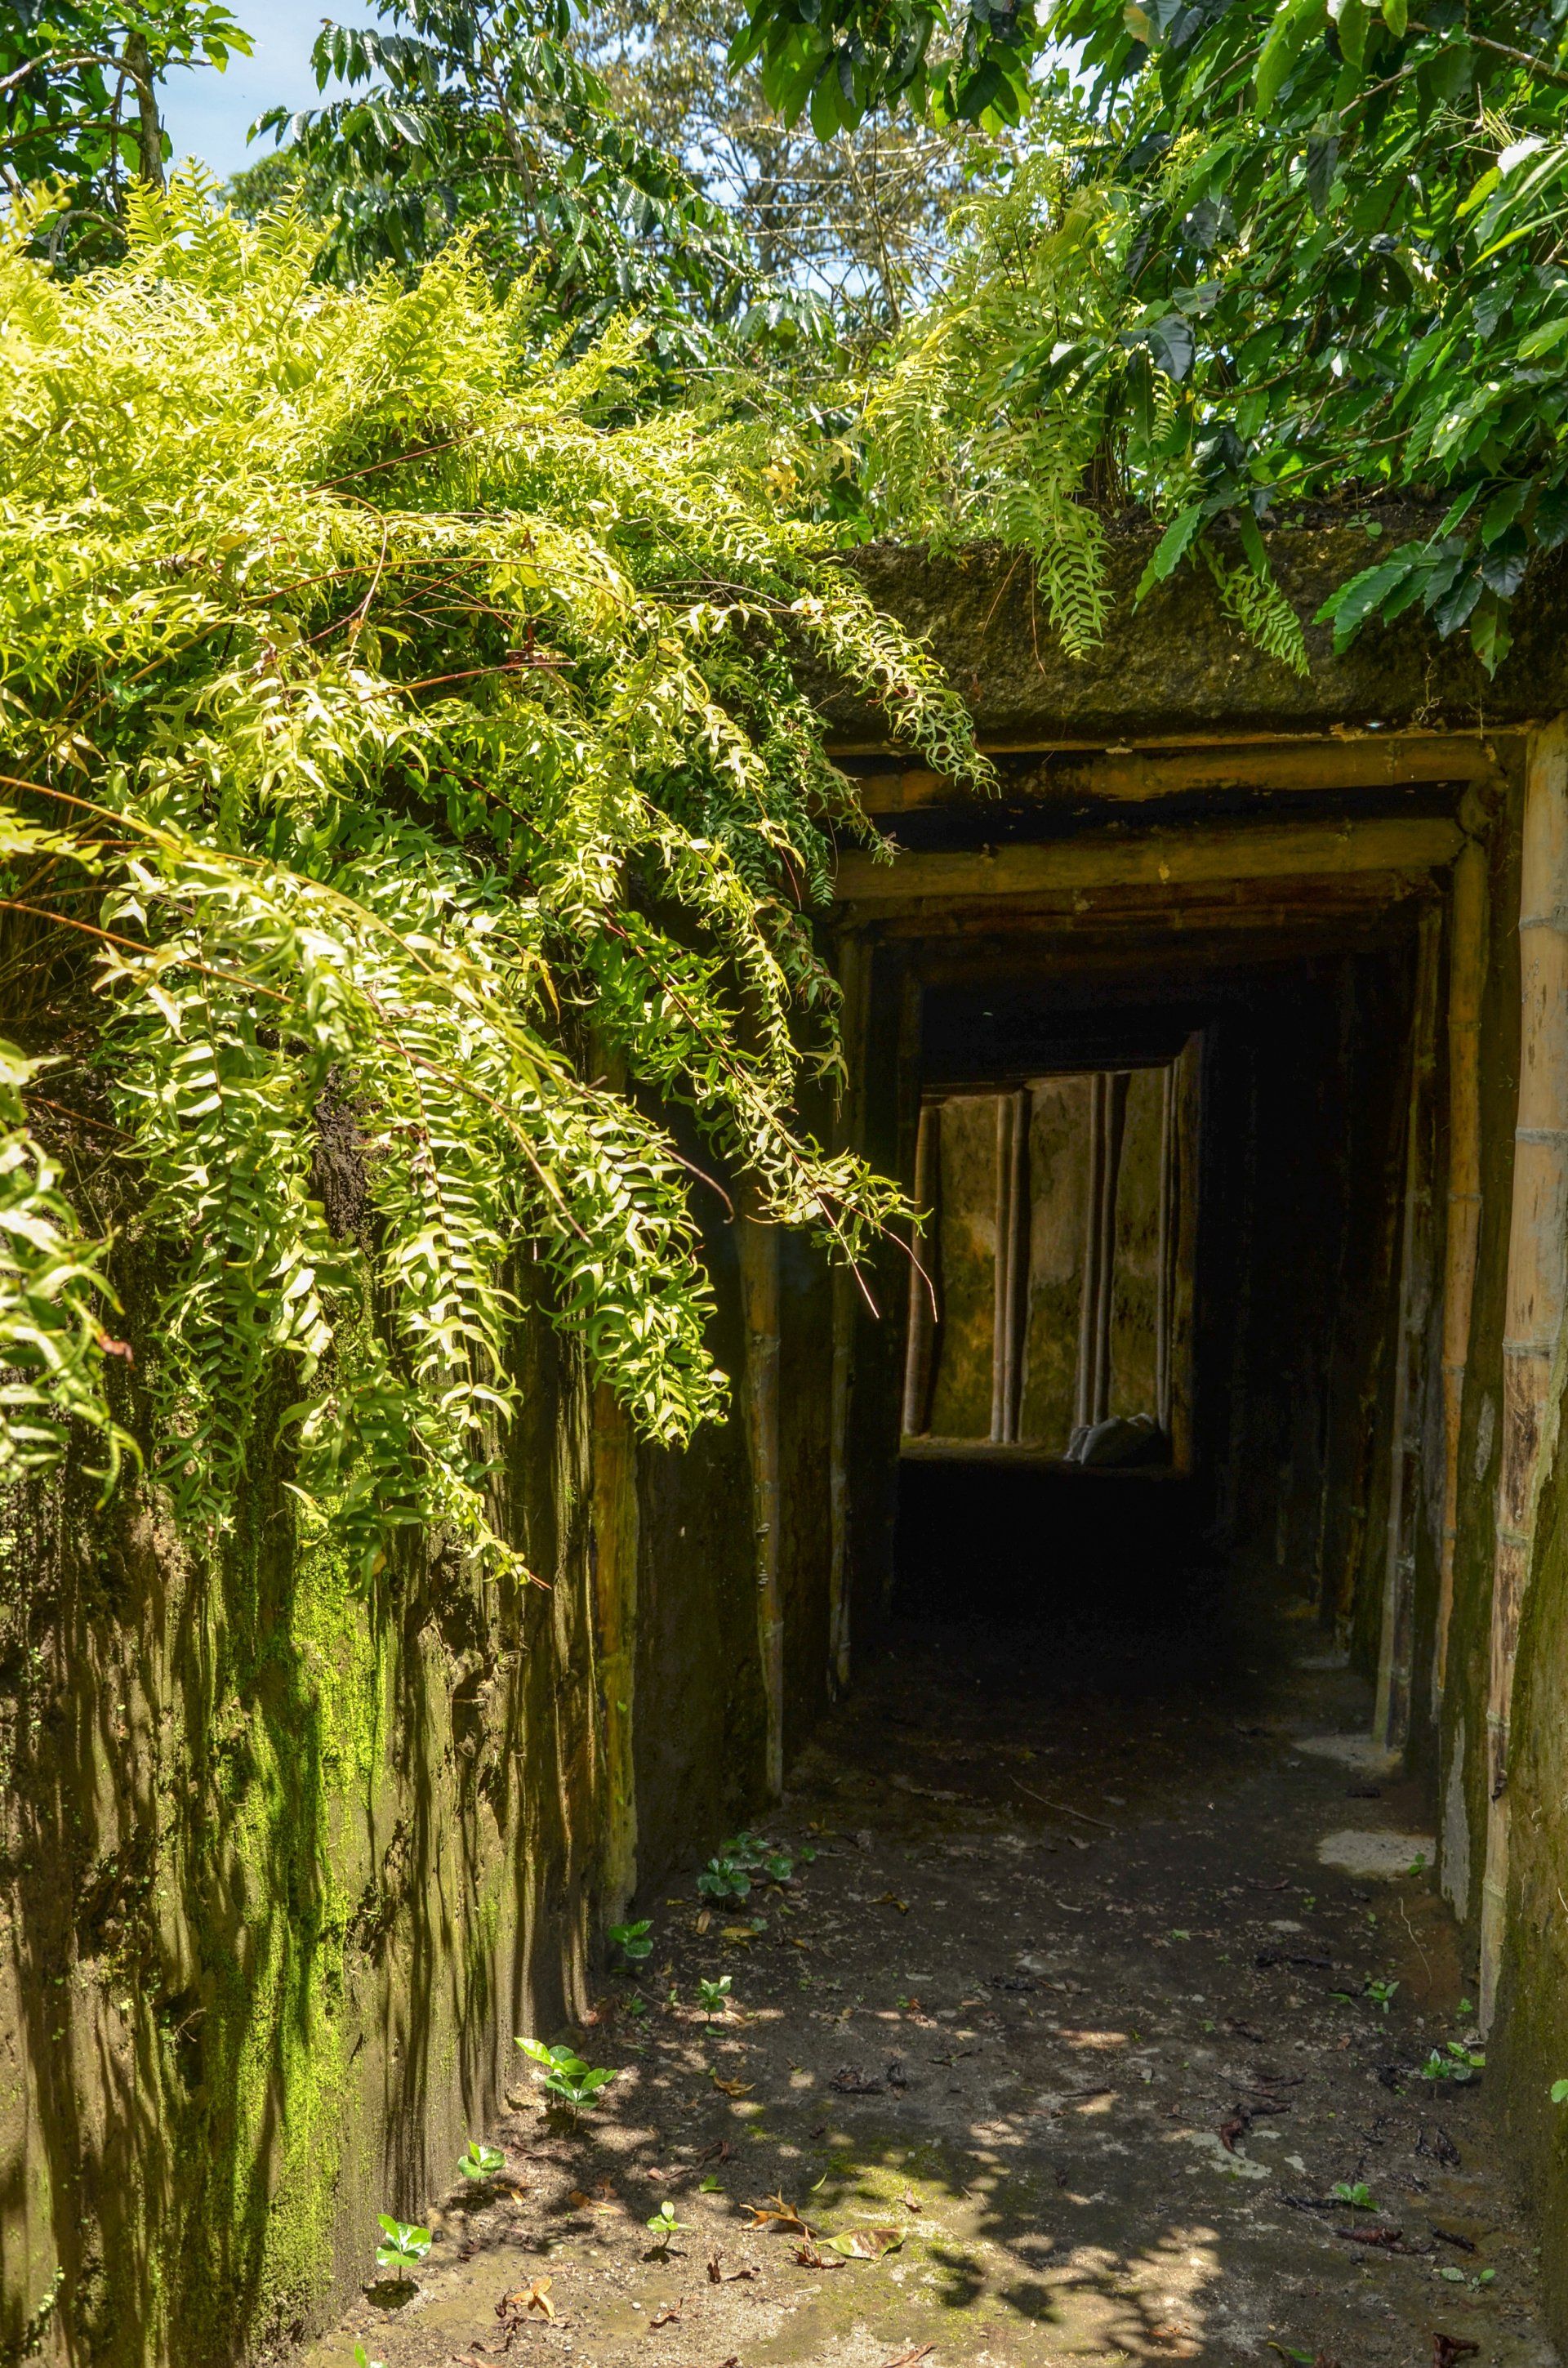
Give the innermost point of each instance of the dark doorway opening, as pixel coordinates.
(1300, 1165)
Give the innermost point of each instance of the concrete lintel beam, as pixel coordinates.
(1130, 775)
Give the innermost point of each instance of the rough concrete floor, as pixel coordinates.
(1066, 2023)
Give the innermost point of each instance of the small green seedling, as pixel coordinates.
(634, 1940)
(1454, 2062)
(1482, 2278)
(480, 2161)
(1464, 2007)
(1358, 2197)
(566, 2077)
(664, 2225)
(363, 2359)
(711, 2184)
(1559, 2092)
(637, 2003)
(728, 1874)
(724, 1878)
(715, 1995)
(1383, 1994)
(404, 2245)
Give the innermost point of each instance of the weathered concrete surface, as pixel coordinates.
(1179, 666)
(286, 1859)
(1068, 2005)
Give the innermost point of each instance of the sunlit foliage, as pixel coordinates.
(421, 733)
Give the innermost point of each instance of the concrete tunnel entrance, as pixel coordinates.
(1178, 1057)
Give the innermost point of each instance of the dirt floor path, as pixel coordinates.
(1067, 2045)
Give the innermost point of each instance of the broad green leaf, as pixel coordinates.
(1171, 548)
(1294, 23)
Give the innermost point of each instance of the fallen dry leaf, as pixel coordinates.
(535, 2297)
(810, 2258)
(733, 2088)
(669, 2314)
(742, 1932)
(911, 2203)
(718, 2152)
(1447, 2348)
(867, 2244)
(704, 1919)
(891, 1899)
(774, 2211)
(908, 2359)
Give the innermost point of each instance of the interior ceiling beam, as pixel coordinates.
(1260, 851)
(1297, 914)
(1130, 773)
(1202, 954)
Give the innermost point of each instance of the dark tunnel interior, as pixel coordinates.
(1302, 1107)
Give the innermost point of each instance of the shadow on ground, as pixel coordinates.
(1064, 2031)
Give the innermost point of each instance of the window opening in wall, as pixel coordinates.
(1050, 1313)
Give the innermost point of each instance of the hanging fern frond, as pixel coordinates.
(52, 1302)
(406, 704)
(1261, 610)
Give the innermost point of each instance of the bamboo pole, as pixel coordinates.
(1537, 1279)
(616, 1535)
(1467, 972)
(1184, 1134)
(1115, 1110)
(854, 966)
(1018, 1260)
(923, 1267)
(1068, 772)
(760, 1291)
(1088, 1301)
(1002, 1267)
(1163, 1294)
(1156, 860)
(1009, 1272)
(1390, 1717)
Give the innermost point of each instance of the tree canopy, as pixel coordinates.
(79, 104)
(1259, 253)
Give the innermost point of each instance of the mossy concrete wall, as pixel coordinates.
(287, 1863)
(1177, 666)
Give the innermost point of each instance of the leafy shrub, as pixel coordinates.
(416, 725)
